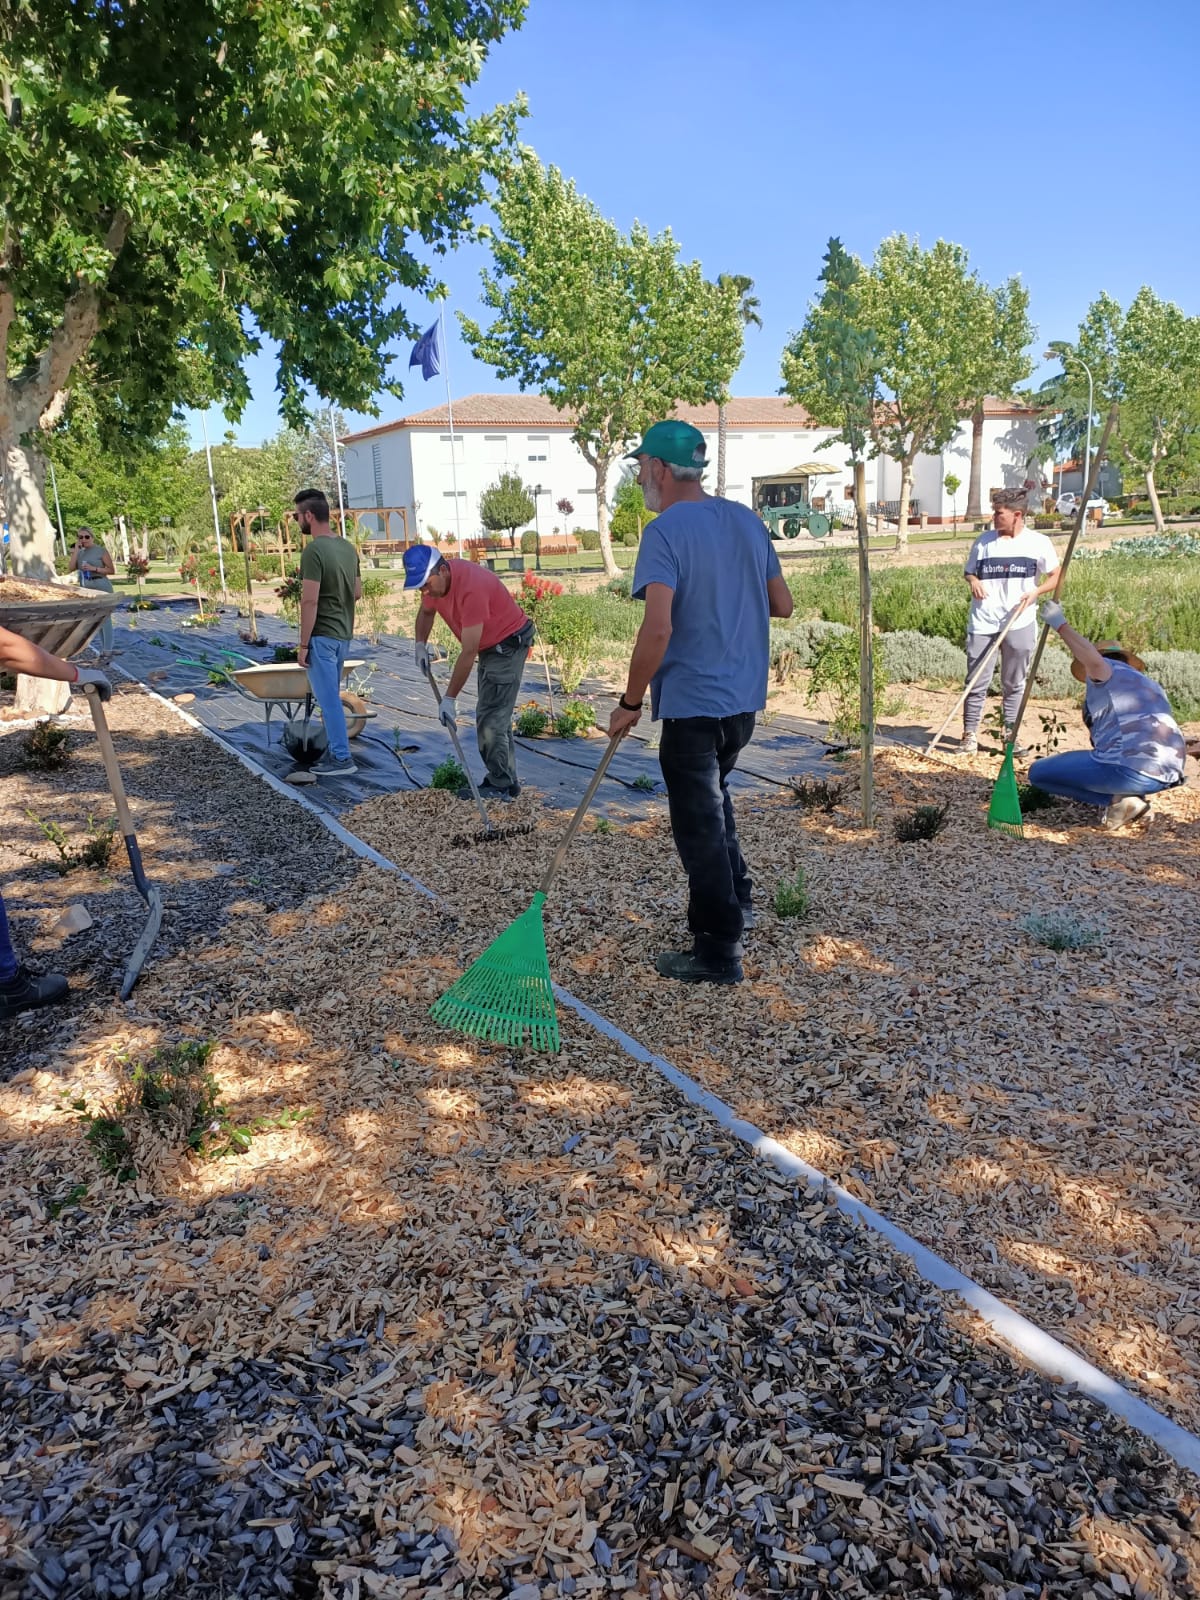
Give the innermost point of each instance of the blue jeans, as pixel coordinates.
(325, 660)
(1081, 775)
(8, 956)
(697, 754)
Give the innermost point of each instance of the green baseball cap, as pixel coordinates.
(675, 442)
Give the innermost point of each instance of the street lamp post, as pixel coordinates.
(1062, 354)
(538, 491)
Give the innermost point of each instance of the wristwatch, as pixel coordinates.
(625, 706)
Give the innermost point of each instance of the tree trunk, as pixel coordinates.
(31, 533)
(602, 464)
(31, 546)
(866, 649)
(722, 425)
(975, 483)
(1159, 525)
(906, 475)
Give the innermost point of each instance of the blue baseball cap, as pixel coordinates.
(419, 562)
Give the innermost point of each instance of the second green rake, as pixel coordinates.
(507, 994)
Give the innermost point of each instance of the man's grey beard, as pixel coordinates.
(652, 496)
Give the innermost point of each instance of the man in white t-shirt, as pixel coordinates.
(1009, 566)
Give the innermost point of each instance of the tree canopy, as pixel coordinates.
(506, 505)
(183, 179)
(615, 330)
(939, 338)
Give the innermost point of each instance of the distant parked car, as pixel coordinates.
(1068, 504)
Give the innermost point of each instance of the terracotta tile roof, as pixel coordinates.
(533, 411)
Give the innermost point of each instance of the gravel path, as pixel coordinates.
(480, 1324)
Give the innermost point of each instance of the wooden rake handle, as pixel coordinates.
(987, 665)
(581, 811)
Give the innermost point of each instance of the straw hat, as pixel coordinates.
(1115, 652)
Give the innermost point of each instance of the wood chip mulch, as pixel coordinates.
(1029, 1114)
(491, 1325)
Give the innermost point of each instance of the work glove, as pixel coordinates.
(423, 658)
(97, 680)
(448, 712)
(1052, 614)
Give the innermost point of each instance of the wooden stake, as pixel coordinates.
(866, 649)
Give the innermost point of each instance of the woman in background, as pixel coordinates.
(95, 567)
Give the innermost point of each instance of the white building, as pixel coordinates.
(409, 463)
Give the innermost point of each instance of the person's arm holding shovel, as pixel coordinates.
(18, 655)
(468, 655)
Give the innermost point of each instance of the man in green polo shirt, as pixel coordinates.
(330, 586)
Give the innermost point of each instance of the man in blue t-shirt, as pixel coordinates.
(1137, 746)
(711, 583)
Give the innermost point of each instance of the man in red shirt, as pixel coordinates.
(493, 630)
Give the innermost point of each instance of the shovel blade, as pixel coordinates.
(141, 949)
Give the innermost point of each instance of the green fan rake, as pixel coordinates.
(507, 995)
(1004, 808)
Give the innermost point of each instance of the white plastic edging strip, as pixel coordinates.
(1039, 1348)
(289, 792)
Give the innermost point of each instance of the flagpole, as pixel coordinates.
(450, 414)
(212, 489)
(337, 469)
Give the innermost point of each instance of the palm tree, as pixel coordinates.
(748, 304)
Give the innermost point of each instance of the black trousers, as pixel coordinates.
(697, 754)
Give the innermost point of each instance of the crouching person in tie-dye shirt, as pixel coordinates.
(1137, 747)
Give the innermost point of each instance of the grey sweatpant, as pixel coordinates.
(1015, 655)
(498, 681)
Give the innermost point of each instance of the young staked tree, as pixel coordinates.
(506, 505)
(933, 324)
(614, 330)
(1158, 374)
(831, 368)
(748, 303)
(181, 180)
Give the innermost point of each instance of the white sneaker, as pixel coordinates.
(968, 745)
(1130, 808)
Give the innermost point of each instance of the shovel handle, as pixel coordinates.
(581, 812)
(113, 773)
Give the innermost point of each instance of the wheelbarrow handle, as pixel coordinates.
(113, 773)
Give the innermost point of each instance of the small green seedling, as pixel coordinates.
(448, 775)
(602, 825)
(792, 898)
(645, 783)
(1059, 930)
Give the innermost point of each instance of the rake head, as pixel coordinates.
(506, 995)
(459, 841)
(1004, 810)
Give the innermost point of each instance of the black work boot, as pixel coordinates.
(26, 991)
(687, 966)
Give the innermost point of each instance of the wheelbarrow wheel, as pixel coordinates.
(354, 706)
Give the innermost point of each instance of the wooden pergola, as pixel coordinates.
(381, 529)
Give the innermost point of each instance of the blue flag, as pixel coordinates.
(427, 352)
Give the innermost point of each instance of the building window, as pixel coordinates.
(592, 490)
(761, 436)
(377, 470)
(537, 438)
(535, 458)
(448, 494)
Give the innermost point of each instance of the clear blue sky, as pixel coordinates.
(1054, 142)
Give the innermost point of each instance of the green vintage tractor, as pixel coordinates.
(789, 522)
